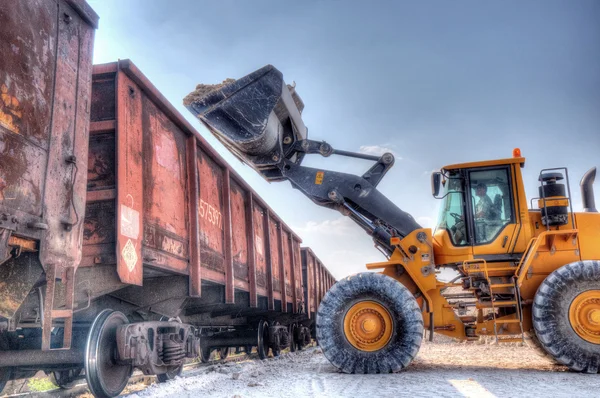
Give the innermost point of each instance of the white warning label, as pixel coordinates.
(129, 255)
(130, 222)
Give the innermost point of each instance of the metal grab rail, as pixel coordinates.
(532, 248)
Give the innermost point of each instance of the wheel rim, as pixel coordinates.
(368, 326)
(584, 315)
(5, 373)
(263, 338)
(205, 354)
(292, 332)
(224, 353)
(105, 376)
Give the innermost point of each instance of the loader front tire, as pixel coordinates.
(369, 323)
(566, 315)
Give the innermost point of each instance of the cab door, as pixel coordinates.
(491, 212)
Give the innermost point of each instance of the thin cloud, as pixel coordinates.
(378, 150)
(342, 226)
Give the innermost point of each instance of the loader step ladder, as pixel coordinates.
(67, 275)
(480, 266)
(514, 301)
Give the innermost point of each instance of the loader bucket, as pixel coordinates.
(257, 117)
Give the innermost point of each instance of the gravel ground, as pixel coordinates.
(441, 369)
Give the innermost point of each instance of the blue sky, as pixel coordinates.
(435, 82)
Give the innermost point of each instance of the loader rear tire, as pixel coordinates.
(566, 315)
(534, 343)
(369, 323)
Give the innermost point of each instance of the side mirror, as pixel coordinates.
(436, 179)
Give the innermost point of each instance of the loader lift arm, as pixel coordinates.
(258, 118)
(354, 196)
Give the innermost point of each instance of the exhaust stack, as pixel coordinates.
(587, 191)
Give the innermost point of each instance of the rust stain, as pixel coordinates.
(99, 224)
(287, 262)
(101, 162)
(275, 242)
(210, 206)
(165, 179)
(10, 110)
(19, 184)
(260, 247)
(239, 232)
(25, 244)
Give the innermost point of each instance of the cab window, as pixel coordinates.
(451, 217)
(491, 203)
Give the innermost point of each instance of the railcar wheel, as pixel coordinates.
(5, 373)
(224, 352)
(106, 377)
(170, 375)
(306, 341)
(369, 323)
(66, 379)
(292, 332)
(263, 339)
(248, 350)
(205, 355)
(566, 315)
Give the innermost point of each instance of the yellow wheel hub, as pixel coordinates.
(368, 326)
(584, 315)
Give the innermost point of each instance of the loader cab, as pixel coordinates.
(483, 211)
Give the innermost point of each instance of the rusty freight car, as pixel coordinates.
(167, 254)
(45, 91)
(317, 278)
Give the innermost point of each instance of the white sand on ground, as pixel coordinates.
(441, 370)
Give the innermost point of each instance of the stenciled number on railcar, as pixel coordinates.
(211, 214)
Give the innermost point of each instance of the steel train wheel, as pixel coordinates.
(5, 373)
(66, 379)
(205, 354)
(170, 375)
(224, 352)
(263, 339)
(369, 323)
(292, 333)
(248, 350)
(566, 315)
(105, 376)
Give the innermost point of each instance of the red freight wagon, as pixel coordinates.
(179, 256)
(317, 280)
(45, 91)
(179, 208)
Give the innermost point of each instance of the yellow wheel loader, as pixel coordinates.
(526, 266)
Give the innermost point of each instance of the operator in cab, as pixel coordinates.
(484, 208)
(485, 212)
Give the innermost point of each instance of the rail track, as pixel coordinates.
(138, 381)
